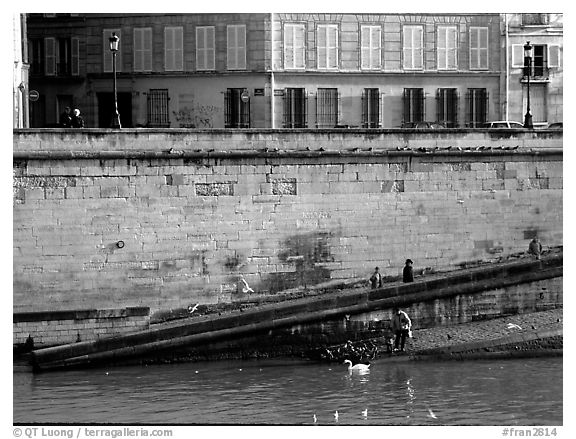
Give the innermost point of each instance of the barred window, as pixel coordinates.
(447, 107)
(327, 103)
(413, 105)
(477, 111)
(237, 110)
(371, 108)
(295, 103)
(158, 108)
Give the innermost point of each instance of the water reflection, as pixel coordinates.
(509, 392)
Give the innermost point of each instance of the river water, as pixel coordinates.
(481, 392)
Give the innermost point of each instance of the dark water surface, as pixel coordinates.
(482, 392)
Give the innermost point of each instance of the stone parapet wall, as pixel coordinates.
(63, 327)
(99, 227)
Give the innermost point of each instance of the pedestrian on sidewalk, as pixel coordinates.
(66, 118)
(376, 279)
(402, 326)
(535, 247)
(408, 272)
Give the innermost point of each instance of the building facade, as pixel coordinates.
(278, 70)
(544, 32)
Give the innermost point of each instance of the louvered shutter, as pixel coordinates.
(49, 56)
(289, 46)
(332, 47)
(553, 56)
(299, 43)
(75, 56)
(517, 55)
(451, 48)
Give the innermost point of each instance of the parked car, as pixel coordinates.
(556, 126)
(503, 124)
(423, 125)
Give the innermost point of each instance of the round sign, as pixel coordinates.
(33, 95)
(245, 96)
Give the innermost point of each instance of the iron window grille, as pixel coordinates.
(295, 108)
(237, 112)
(413, 105)
(158, 115)
(477, 107)
(447, 107)
(327, 104)
(371, 108)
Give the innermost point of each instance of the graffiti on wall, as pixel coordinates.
(193, 115)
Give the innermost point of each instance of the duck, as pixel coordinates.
(357, 367)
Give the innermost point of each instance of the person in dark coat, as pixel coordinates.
(66, 118)
(535, 248)
(401, 326)
(77, 121)
(408, 272)
(376, 279)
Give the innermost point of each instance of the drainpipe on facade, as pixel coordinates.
(273, 125)
(507, 77)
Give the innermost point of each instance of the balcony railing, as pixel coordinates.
(536, 72)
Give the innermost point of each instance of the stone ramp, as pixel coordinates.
(208, 329)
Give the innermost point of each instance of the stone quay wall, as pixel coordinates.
(52, 328)
(108, 219)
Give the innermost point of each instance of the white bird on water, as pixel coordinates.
(513, 326)
(431, 413)
(315, 418)
(365, 413)
(336, 415)
(357, 367)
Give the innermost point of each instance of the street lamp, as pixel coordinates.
(528, 71)
(114, 40)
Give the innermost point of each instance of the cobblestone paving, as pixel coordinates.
(484, 330)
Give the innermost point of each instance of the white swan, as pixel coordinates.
(357, 367)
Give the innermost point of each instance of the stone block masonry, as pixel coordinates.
(53, 328)
(179, 224)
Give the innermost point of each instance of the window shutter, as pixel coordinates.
(376, 53)
(75, 56)
(365, 47)
(299, 52)
(173, 49)
(241, 40)
(553, 56)
(332, 47)
(483, 48)
(452, 48)
(478, 48)
(321, 47)
(236, 39)
(231, 47)
(289, 46)
(50, 56)
(178, 49)
(138, 50)
(517, 55)
(441, 48)
(147, 50)
(407, 47)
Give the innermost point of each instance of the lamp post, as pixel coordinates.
(528, 71)
(114, 40)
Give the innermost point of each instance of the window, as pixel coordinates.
(143, 49)
(534, 19)
(447, 47)
(158, 108)
(478, 48)
(294, 47)
(327, 103)
(413, 105)
(205, 48)
(36, 56)
(64, 57)
(236, 44)
(371, 54)
(327, 46)
(237, 109)
(370, 108)
(295, 103)
(75, 56)
(477, 110)
(447, 107)
(413, 47)
(173, 49)
(107, 60)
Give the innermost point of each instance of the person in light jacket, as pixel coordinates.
(401, 325)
